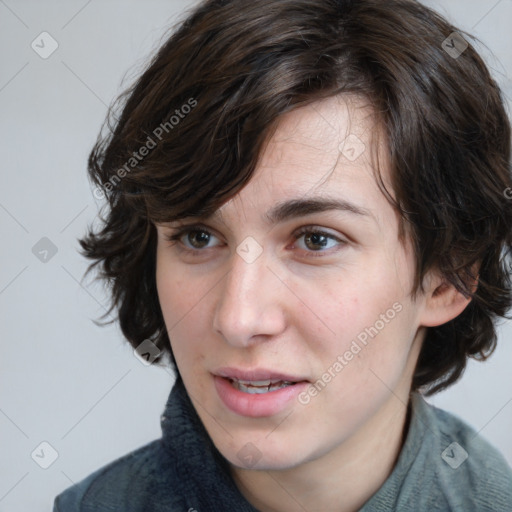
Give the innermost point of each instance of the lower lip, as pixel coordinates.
(256, 405)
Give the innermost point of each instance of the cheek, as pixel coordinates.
(181, 306)
(368, 321)
(356, 301)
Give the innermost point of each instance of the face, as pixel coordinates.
(300, 279)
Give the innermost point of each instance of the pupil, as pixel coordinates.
(316, 239)
(199, 238)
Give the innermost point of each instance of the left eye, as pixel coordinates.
(317, 240)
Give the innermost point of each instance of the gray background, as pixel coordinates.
(64, 380)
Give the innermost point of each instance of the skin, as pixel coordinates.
(299, 306)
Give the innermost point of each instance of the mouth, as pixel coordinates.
(259, 392)
(259, 380)
(259, 386)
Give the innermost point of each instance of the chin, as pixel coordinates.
(279, 463)
(262, 455)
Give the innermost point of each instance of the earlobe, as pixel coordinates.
(443, 302)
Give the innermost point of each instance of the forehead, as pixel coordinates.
(329, 148)
(323, 126)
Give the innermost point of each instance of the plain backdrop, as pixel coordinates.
(63, 380)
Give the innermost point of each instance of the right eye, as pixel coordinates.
(193, 238)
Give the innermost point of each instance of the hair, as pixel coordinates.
(209, 99)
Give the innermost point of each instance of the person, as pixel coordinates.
(306, 218)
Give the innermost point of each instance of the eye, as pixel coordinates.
(197, 239)
(315, 240)
(194, 238)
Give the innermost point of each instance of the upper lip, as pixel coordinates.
(256, 374)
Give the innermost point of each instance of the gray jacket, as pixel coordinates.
(444, 466)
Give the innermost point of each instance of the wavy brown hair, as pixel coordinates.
(239, 66)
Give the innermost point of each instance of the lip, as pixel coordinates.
(257, 374)
(256, 405)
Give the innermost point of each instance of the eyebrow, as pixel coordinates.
(301, 207)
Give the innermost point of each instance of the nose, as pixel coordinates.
(250, 304)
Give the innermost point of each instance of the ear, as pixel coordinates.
(443, 302)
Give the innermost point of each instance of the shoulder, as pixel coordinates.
(470, 471)
(128, 483)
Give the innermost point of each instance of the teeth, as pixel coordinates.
(256, 382)
(259, 386)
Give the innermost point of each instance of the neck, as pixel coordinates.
(341, 480)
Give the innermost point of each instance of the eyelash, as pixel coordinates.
(311, 230)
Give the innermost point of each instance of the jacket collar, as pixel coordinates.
(204, 477)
